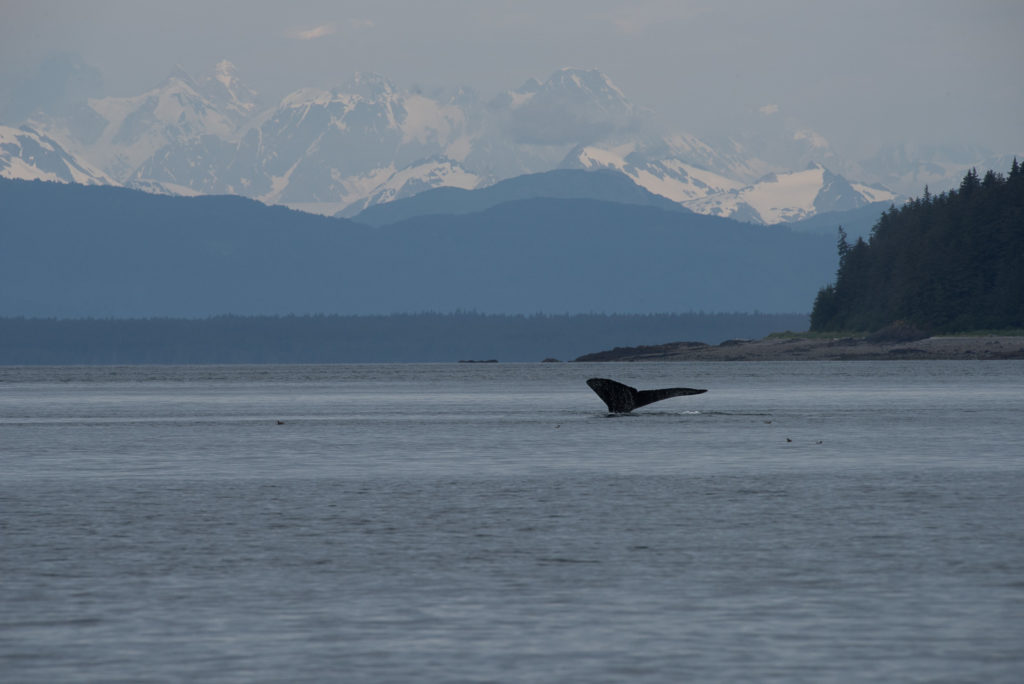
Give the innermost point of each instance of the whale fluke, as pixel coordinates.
(623, 398)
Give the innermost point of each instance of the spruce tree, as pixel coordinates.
(946, 263)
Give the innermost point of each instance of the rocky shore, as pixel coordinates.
(796, 348)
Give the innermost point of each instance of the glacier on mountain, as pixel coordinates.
(789, 197)
(28, 155)
(366, 141)
(670, 177)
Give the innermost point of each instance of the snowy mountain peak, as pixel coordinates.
(570, 84)
(789, 197)
(365, 87)
(304, 97)
(665, 176)
(368, 86)
(124, 132)
(179, 75)
(591, 81)
(224, 88)
(424, 174)
(588, 87)
(572, 107)
(26, 154)
(226, 73)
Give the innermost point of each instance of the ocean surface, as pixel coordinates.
(799, 522)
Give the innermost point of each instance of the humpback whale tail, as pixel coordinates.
(623, 398)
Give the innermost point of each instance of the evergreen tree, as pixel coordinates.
(970, 182)
(946, 263)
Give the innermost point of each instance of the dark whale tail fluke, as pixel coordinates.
(623, 398)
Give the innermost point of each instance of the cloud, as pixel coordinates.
(769, 109)
(313, 33)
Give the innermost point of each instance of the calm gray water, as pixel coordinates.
(491, 523)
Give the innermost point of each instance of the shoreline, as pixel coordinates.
(982, 347)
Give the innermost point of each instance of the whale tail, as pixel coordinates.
(623, 398)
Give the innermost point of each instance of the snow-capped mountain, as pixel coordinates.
(573, 106)
(125, 132)
(28, 155)
(668, 177)
(416, 178)
(323, 150)
(345, 144)
(231, 96)
(789, 197)
(366, 141)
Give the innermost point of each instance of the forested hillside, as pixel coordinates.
(943, 263)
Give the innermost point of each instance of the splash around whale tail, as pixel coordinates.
(623, 398)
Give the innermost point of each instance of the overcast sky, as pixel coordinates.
(859, 72)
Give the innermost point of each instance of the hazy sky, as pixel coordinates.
(858, 71)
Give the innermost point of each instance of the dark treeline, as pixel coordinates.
(362, 339)
(942, 263)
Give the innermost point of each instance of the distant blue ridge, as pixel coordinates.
(604, 185)
(72, 251)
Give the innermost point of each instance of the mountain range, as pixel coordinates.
(76, 251)
(366, 142)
